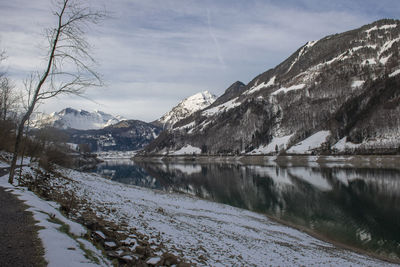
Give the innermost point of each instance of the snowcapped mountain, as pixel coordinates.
(339, 94)
(99, 130)
(186, 108)
(75, 119)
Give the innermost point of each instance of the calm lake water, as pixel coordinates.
(356, 207)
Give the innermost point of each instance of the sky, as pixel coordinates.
(154, 53)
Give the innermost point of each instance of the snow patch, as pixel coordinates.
(301, 53)
(372, 29)
(112, 155)
(186, 126)
(100, 234)
(384, 142)
(369, 61)
(384, 27)
(396, 72)
(4, 165)
(280, 142)
(187, 150)
(356, 84)
(288, 89)
(222, 108)
(340, 57)
(357, 48)
(153, 260)
(257, 88)
(307, 145)
(390, 26)
(383, 60)
(388, 45)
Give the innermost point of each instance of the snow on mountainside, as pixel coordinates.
(187, 107)
(127, 135)
(346, 84)
(76, 119)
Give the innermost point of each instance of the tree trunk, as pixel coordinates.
(15, 155)
(18, 144)
(22, 155)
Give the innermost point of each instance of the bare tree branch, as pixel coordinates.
(70, 66)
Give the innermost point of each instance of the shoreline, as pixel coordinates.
(153, 219)
(156, 208)
(322, 161)
(342, 161)
(331, 241)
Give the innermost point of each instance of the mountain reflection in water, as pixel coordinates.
(356, 207)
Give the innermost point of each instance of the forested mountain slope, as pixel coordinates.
(338, 94)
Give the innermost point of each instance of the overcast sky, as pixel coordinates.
(152, 54)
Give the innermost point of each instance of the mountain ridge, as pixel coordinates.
(185, 108)
(75, 119)
(331, 94)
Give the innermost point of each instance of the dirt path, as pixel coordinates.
(19, 242)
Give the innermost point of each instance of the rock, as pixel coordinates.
(93, 226)
(140, 250)
(160, 210)
(99, 236)
(110, 245)
(169, 259)
(154, 261)
(112, 254)
(128, 241)
(128, 258)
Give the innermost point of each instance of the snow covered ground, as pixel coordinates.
(107, 155)
(277, 144)
(187, 150)
(60, 249)
(201, 232)
(307, 145)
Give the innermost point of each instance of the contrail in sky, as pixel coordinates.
(220, 58)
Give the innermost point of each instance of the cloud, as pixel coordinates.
(154, 53)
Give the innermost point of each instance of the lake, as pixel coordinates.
(357, 207)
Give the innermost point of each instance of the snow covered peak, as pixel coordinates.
(198, 101)
(187, 107)
(76, 119)
(326, 85)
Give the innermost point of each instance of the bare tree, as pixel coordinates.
(8, 98)
(69, 65)
(8, 95)
(8, 102)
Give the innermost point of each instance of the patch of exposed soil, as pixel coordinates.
(19, 241)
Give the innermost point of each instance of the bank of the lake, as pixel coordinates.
(357, 161)
(349, 201)
(199, 231)
(136, 224)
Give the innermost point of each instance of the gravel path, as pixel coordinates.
(19, 242)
